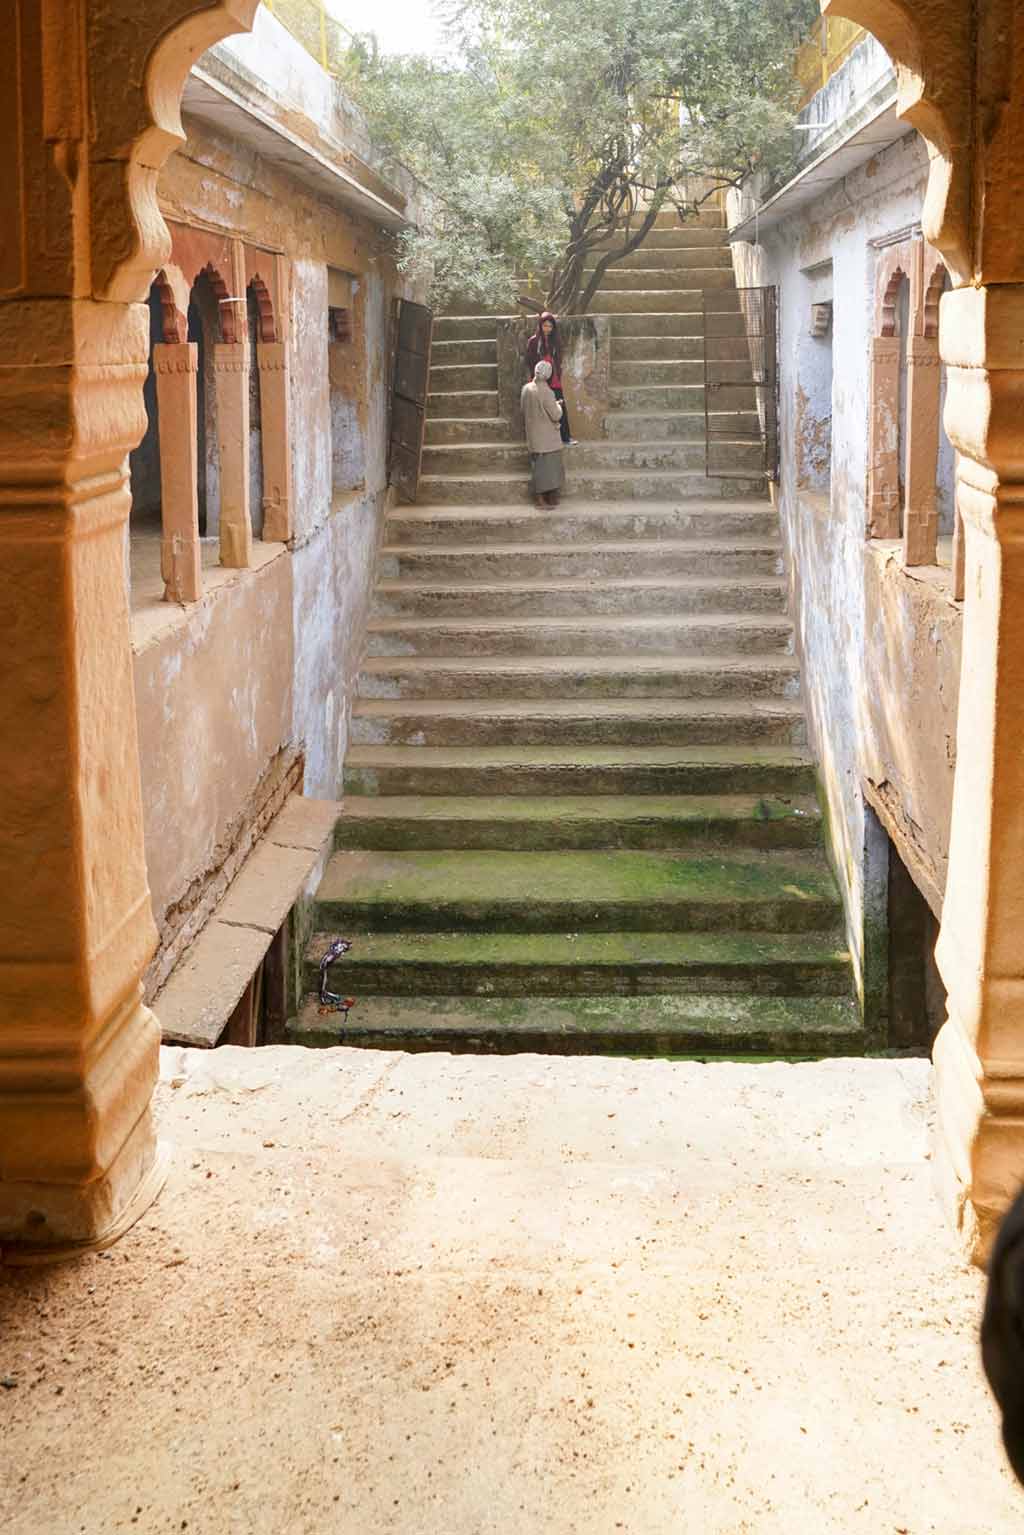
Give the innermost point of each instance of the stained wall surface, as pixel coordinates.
(880, 644)
(247, 692)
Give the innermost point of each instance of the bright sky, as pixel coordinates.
(402, 26)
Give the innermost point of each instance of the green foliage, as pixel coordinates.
(558, 128)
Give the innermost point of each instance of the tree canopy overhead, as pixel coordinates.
(559, 128)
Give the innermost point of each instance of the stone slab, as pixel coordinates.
(304, 823)
(268, 886)
(206, 987)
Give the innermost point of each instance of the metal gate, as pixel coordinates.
(413, 327)
(741, 382)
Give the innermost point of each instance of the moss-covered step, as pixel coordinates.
(590, 722)
(437, 526)
(631, 557)
(648, 1026)
(582, 676)
(572, 891)
(568, 598)
(546, 822)
(626, 634)
(578, 770)
(584, 964)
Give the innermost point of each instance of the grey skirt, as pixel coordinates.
(547, 472)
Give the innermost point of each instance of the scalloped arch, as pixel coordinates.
(931, 43)
(139, 130)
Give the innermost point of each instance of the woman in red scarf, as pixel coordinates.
(545, 346)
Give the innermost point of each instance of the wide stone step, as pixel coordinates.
(465, 328)
(619, 279)
(544, 561)
(464, 353)
(673, 348)
(462, 403)
(566, 892)
(647, 301)
(681, 254)
(455, 431)
(579, 770)
(540, 823)
(685, 1025)
(708, 217)
(584, 485)
(661, 322)
(573, 522)
(588, 722)
(650, 396)
(583, 676)
(657, 425)
(591, 457)
(447, 379)
(703, 634)
(577, 598)
(689, 235)
(628, 964)
(659, 370)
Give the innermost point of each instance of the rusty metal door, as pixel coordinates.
(741, 382)
(413, 326)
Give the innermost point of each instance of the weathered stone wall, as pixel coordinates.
(880, 644)
(252, 685)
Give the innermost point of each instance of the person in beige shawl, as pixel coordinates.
(541, 416)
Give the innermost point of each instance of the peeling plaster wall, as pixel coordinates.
(880, 646)
(260, 674)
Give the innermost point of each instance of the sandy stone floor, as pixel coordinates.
(457, 1296)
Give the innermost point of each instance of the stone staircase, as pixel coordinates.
(580, 812)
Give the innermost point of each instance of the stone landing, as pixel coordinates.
(429, 1295)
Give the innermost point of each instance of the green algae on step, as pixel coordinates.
(562, 891)
(650, 1026)
(649, 721)
(524, 769)
(584, 964)
(537, 823)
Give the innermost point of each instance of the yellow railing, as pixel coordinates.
(830, 44)
(311, 24)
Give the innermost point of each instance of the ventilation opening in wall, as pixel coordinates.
(814, 384)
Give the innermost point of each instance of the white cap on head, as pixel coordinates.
(542, 370)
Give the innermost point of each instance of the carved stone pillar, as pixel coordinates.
(883, 439)
(979, 1055)
(82, 240)
(78, 1050)
(924, 391)
(275, 407)
(176, 368)
(231, 374)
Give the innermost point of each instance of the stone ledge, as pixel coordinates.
(206, 986)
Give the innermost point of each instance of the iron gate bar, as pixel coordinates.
(753, 389)
(414, 328)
